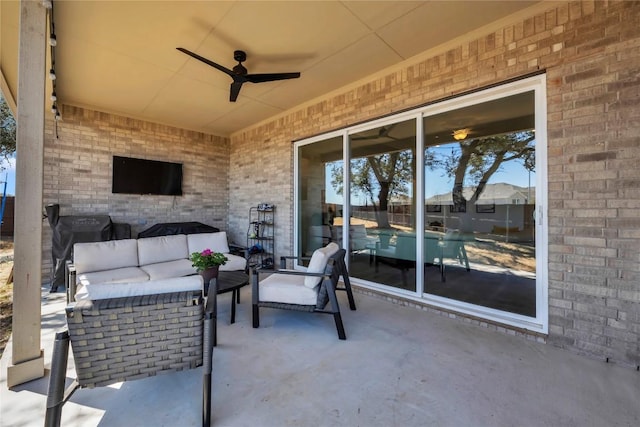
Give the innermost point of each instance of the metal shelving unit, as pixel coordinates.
(260, 236)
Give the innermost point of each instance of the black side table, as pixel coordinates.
(227, 281)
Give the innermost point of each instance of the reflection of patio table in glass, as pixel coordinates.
(371, 247)
(437, 248)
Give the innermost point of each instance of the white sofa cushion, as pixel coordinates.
(117, 275)
(318, 263)
(168, 269)
(234, 262)
(217, 242)
(152, 250)
(120, 290)
(288, 289)
(108, 255)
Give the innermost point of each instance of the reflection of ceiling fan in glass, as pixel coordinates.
(383, 132)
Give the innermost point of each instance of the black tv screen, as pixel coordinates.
(140, 176)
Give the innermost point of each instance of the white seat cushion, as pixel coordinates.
(120, 290)
(358, 231)
(152, 250)
(287, 289)
(165, 270)
(117, 275)
(318, 263)
(98, 256)
(217, 242)
(234, 262)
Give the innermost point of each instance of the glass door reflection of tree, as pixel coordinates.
(382, 206)
(479, 205)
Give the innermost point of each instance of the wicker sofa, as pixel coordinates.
(102, 267)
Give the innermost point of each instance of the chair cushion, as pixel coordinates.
(117, 275)
(217, 242)
(168, 269)
(152, 250)
(318, 263)
(287, 289)
(234, 262)
(358, 231)
(120, 290)
(98, 256)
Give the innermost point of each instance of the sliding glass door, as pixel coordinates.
(441, 204)
(479, 204)
(319, 193)
(382, 210)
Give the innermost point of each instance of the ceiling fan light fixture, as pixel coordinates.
(461, 134)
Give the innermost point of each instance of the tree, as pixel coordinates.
(7, 131)
(379, 178)
(478, 159)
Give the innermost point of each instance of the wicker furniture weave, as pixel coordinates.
(124, 339)
(326, 291)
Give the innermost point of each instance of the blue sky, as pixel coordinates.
(8, 174)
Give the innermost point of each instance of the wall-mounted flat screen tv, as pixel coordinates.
(140, 176)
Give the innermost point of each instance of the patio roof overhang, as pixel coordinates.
(120, 57)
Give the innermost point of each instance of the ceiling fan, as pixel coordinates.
(239, 72)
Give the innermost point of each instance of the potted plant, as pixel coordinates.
(207, 263)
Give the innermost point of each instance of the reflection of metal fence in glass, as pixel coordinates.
(398, 214)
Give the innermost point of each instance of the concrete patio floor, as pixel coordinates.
(400, 366)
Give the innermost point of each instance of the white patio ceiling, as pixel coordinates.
(121, 57)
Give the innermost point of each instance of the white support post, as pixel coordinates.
(27, 361)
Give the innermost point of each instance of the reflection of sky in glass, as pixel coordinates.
(438, 182)
(332, 197)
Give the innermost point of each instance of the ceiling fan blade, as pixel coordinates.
(261, 78)
(206, 61)
(235, 91)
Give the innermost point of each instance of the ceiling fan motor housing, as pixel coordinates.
(239, 55)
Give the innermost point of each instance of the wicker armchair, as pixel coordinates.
(286, 289)
(123, 339)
